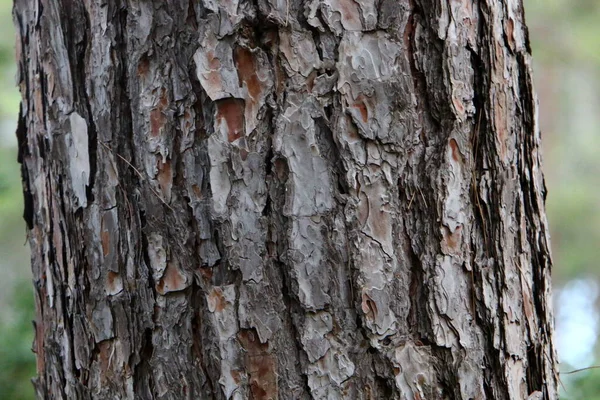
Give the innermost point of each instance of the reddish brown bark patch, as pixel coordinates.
(351, 129)
(113, 282)
(458, 104)
(246, 68)
(236, 375)
(244, 154)
(38, 102)
(187, 121)
(365, 106)
(362, 109)
(207, 274)
(197, 191)
(528, 306)
(369, 307)
(39, 342)
(157, 115)
(104, 358)
(456, 156)
(156, 121)
(214, 76)
(173, 280)
(500, 123)
(105, 242)
(143, 67)
(217, 300)
(261, 366)
(350, 13)
(165, 178)
(231, 113)
(281, 169)
(452, 240)
(510, 33)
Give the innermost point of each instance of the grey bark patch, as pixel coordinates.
(79, 159)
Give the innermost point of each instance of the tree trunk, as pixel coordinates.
(261, 199)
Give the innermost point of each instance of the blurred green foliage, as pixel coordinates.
(17, 362)
(582, 385)
(565, 38)
(17, 365)
(564, 30)
(9, 100)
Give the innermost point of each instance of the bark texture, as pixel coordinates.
(261, 199)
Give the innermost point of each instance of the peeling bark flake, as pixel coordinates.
(79, 159)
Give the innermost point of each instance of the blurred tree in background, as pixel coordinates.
(17, 362)
(565, 37)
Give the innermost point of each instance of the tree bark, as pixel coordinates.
(261, 199)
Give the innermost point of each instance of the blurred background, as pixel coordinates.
(565, 37)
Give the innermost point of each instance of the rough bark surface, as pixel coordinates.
(260, 199)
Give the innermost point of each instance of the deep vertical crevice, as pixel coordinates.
(81, 69)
